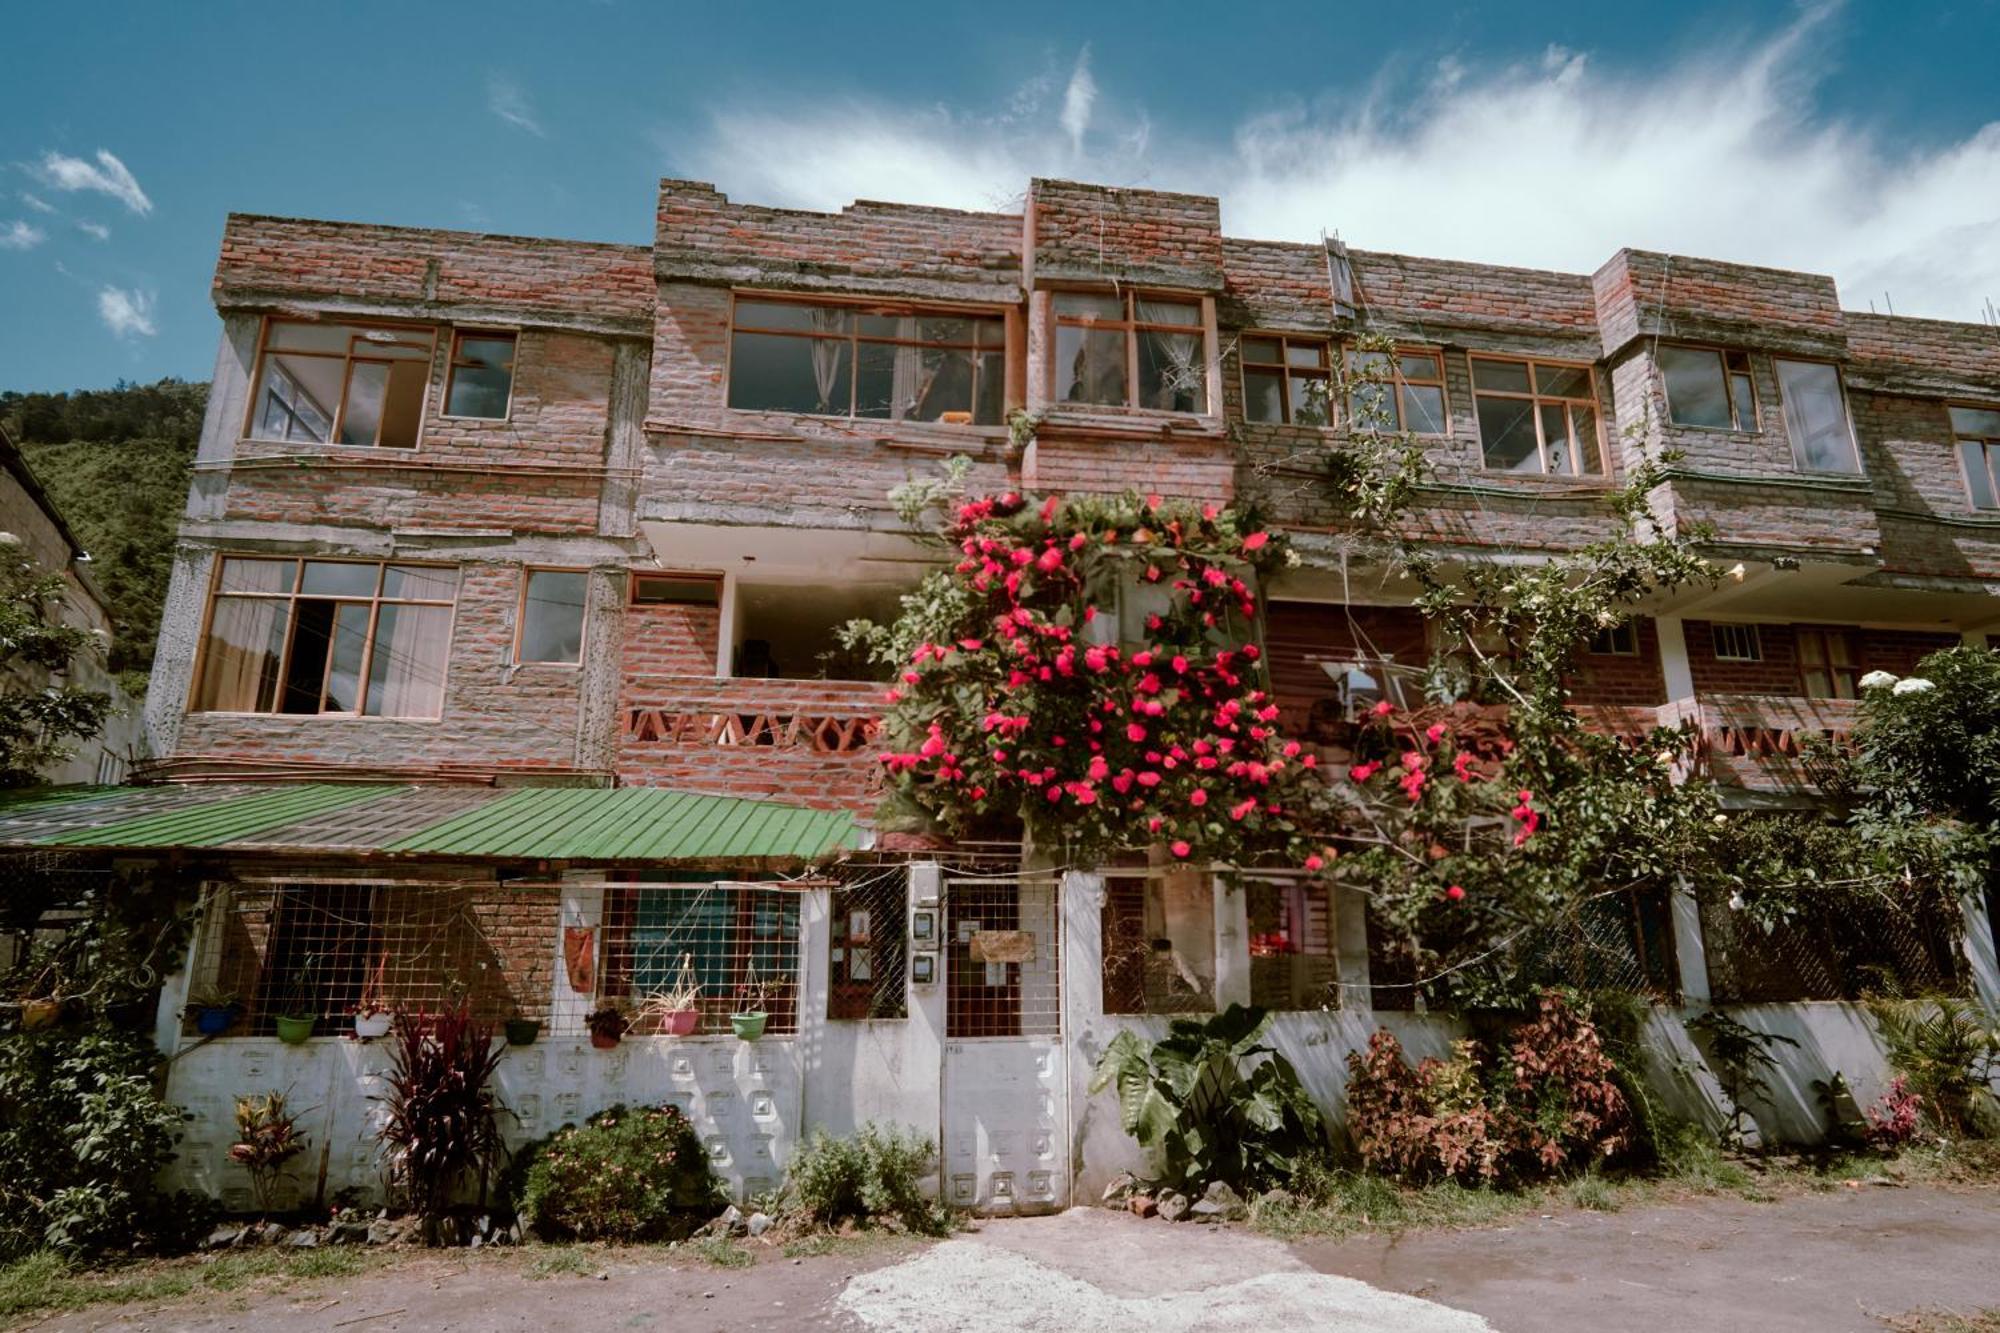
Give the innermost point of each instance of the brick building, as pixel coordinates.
(492, 536)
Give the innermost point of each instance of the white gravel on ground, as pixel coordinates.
(971, 1286)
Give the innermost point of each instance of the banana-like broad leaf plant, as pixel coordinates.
(1210, 1101)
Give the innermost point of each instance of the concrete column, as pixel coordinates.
(174, 989)
(1041, 349)
(1232, 943)
(1674, 659)
(815, 935)
(1690, 949)
(1973, 638)
(924, 1031)
(1350, 945)
(725, 631)
(1082, 953)
(1980, 950)
(582, 905)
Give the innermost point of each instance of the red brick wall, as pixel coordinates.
(1645, 293)
(1097, 231)
(1297, 633)
(820, 751)
(1896, 651)
(1629, 681)
(671, 640)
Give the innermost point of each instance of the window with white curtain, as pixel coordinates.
(327, 636)
(886, 362)
(1131, 349)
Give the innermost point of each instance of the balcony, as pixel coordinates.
(807, 742)
(1757, 741)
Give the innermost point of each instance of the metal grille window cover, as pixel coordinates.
(1292, 962)
(1615, 942)
(739, 941)
(1002, 964)
(868, 945)
(1862, 946)
(1148, 969)
(313, 949)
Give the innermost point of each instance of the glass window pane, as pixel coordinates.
(1563, 381)
(1743, 402)
(876, 325)
(1502, 376)
(1979, 480)
(298, 397)
(403, 405)
(1507, 434)
(1372, 406)
(1370, 365)
(1263, 351)
(297, 336)
(239, 663)
(1423, 409)
(422, 583)
(1816, 417)
(783, 315)
(1310, 406)
(1089, 305)
(343, 676)
(1418, 366)
(944, 329)
(1263, 396)
(1311, 355)
(1184, 313)
(1590, 449)
(241, 575)
(1555, 437)
(552, 616)
(944, 384)
(1173, 371)
(305, 667)
(1090, 365)
(990, 332)
(338, 578)
(367, 387)
(1697, 394)
(769, 372)
(477, 391)
(391, 344)
(406, 674)
(1976, 421)
(875, 380)
(989, 405)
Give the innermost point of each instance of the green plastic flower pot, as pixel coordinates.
(749, 1027)
(294, 1031)
(523, 1031)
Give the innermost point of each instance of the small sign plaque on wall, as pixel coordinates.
(1003, 946)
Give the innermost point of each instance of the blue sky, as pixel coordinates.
(1860, 139)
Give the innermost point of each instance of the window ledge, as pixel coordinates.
(1815, 481)
(1089, 419)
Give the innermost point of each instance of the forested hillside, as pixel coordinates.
(116, 463)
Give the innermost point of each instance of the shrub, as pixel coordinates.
(267, 1137)
(625, 1176)
(1893, 1121)
(83, 1131)
(443, 1115)
(1209, 1101)
(1948, 1052)
(1548, 1102)
(877, 1173)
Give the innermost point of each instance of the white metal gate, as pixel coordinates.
(1005, 1096)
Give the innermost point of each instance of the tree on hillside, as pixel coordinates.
(42, 718)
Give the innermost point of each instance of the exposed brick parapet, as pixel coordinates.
(1645, 294)
(280, 263)
(1100, 233)
(1928, 357)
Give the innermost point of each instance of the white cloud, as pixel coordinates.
(1550, 162)
(505, 99)
(39, 205)
(1077, 99)
(126, 313)
(18, 235)
(93, 229)
(107, 176)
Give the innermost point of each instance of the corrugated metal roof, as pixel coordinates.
(636, 824)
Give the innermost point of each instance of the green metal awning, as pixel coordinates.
(600, 825)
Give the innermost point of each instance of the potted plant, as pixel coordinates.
(299, 1010)
(214, 1010)
(267, 1137)
(522, 1031)
(752, 1006)
(677, 1009)
(42, 1000)
(607, 1023)
(371, 1011)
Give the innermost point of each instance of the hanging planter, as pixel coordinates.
(370, 1025)
(214, 1011)
(753, 1007)
(523, 1031)
(371, 1016)
(294, 1031)
(675, 1011)
(750, 1026)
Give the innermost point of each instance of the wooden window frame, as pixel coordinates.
(1846, 413)
(639, 576)
(1826, 636)
(375, 603)
(1610, 634)
(528, 573)
(854, 338)
(1539, 399)
(1756, 640)
(452, 364)
(1131, 326)
(339, 420)
(1987, 447)
(1286, 370)
(1737, 412)
(1399, 381)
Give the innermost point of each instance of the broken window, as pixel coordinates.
(351, 384)
(1977, 431)
(552, 608)
(327, 636)
(1708, 388)
(1285, 380)
(1131, 350)
(1816, 417)
(1537, 416)
(1399, 391)
(482, 376)
(1292, 962)
(892, 363)
(1159, 939)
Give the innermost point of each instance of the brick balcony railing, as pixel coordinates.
(809, 742)
(1755, 741)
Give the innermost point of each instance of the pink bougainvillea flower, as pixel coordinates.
(1455, 893)
(1149, 778)
(893, 696)
(1363, 772)
(1314, 863)
(1434, 732)
(911, 678)
(1051, 560)
(1383, 708)
(1049, 507)
(1198, 797)
(1255, 541)
(1461, 766)
(1135, 733)
(1181, 849)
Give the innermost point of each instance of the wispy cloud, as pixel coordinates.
(105, 176)
(127, 313)
(1550, 162)
(95, 230)
(506, 99)
(1077, 100)
(18, 235)
(39, 205)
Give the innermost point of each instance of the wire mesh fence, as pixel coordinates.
(322, 950)
(867, 944)
(706, 947)
(1862, 946)
(1159, 942)
(1002, 957)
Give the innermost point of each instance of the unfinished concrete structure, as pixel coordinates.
(490, 537)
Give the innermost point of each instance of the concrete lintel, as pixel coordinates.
(248, 300)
